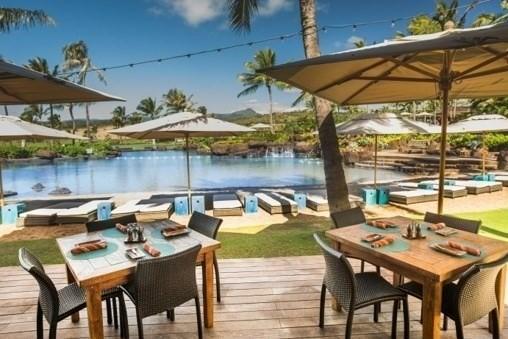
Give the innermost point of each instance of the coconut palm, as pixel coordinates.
(41, 65)
(240, 13)
(16, 18)
(253, 81)
(77, 58)
(202, 109)
(119, 116)
(33, 113)
(149, 108)
(134, 118)
(176, 101)
(493, 18)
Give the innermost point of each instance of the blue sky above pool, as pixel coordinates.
(119, 32)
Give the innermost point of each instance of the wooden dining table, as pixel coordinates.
(110, 267)
(415, 260)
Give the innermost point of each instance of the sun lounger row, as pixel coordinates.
(450, 191)
(158, 208)
(472, 186)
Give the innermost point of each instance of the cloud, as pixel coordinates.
(270, 7)
(349, 43)
(196, 12)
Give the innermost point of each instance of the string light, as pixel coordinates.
(281, 38)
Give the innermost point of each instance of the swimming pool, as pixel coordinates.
(166, 171)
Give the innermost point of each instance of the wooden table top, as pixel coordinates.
(114, 262)
(419, 261)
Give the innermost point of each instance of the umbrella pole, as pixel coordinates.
(1, 186)
(188, 169)
(445, 88)
(484, 154)
(375, 161)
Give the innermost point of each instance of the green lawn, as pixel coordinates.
(291, 238)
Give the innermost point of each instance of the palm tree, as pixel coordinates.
(176, 101)
(134, 118)
(41, 65)
(240, 13)
(119, 116)
(253, 81)
(33, 113)
(149, 108)
(202, 109)
(16, 18)
(493, 18)
(77, 58)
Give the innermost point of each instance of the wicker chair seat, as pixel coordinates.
(71, 298)
(370, 287)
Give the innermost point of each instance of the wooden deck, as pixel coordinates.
(262, 298)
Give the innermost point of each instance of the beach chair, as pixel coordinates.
(47, 215)
(503, 179)
(226, 204)
(130, 207)
(316, 200)
(155, 208)
(80, 214)
(413, 196)
(275, 203)
(450, 191)
(479, 187)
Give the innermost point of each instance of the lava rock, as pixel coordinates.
(38, 187)
(60, 191)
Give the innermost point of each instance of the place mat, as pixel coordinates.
(113, 233)
(398, 245)
(465, 256)
(112, 248)
(373, 229)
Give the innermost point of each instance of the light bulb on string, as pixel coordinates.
(393, 24)
(354, 28)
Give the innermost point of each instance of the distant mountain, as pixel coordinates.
(237, 115)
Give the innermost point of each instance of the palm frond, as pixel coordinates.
(249, 90)
(16, 18)
(240, 13)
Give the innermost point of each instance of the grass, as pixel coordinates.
(292, 238)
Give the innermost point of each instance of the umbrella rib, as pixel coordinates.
(491, 50)
(370, 83)
(480, 65)
(351, 76)
(484, 73)
(414, 68)
(3, 90)
(388, 78)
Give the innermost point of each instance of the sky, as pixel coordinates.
(126, 31)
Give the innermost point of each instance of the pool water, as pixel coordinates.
(166, 171)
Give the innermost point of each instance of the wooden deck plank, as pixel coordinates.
(262, 298)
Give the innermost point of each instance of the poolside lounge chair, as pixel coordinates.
(226, 204)
(450, 191)
(413, 196)
(473, 186)
(315, 199)
(80, 214)
(158, 208)
(130, 207)
(47, 215)
(275, 203)
(503, 179)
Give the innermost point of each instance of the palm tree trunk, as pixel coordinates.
(71, 113)
(6, 110)
(336, 185)
(87, 121)
(270, 99)
(51, 116)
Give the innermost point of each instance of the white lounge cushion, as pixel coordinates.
(408, 184)
(155, 208)
(40, 212)
(414, 193)
(84, 209)
(129, 207)
(226, 201)
(317, 199)
(273, 202)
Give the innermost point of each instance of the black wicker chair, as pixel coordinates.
(161, 284)
(466, 225)
(57, 305)
(471, 298)
(208, 226)
(100, 225)
(351, 217)
(355, 291)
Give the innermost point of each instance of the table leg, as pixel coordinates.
(432, 294)
(94, 310)
(70, 280)
(396, 279)
(208, 306)
(500, 293)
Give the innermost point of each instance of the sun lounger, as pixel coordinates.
(479, 187)
(226, 205)
(316, 200)
(275, 203)
(413, 196)
(130, 207)
(157, 208)
(80, 214)
(503, 179)
(47, 215)
(450, 191)
(156, 211)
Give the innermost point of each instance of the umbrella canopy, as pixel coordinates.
(480, 124)
(13, 128)
(457, 63)
(180, 125)
(383, 124)
(22, 86)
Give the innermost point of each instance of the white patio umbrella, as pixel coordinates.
(182, 125)
(382, 124)
(481, 124)
(457, 63)
(22, 86)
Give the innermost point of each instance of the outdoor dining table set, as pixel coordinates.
(114, 264)
(429, 254)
